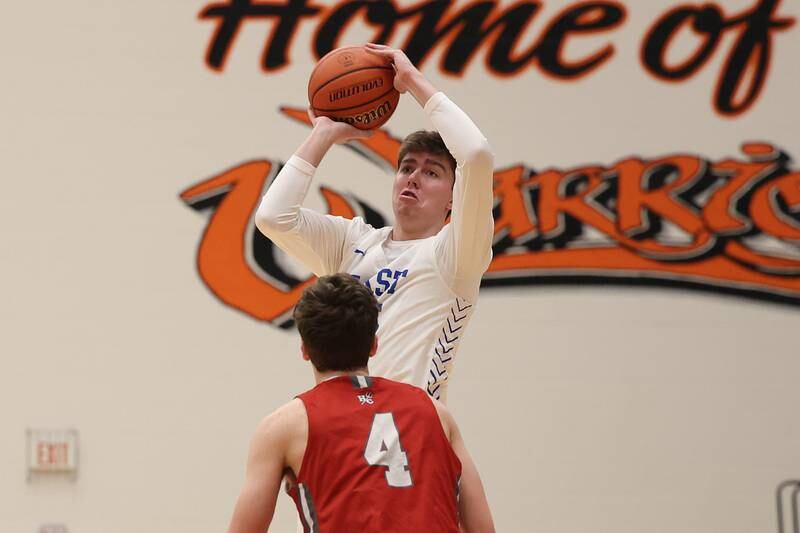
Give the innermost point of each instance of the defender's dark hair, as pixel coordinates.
(337, 318)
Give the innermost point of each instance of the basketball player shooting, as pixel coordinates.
(360, 453)
(424, 271)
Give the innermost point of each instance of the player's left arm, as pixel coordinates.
(265, 466)
(475, 516)
(465, 246)
(465, 250)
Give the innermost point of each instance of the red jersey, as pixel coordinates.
(377, 459)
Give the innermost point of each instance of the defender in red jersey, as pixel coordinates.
(359, 453)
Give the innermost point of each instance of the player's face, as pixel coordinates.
(423, 189)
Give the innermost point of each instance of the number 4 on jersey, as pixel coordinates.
(383, 449)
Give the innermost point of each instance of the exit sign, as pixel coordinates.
(53, 450)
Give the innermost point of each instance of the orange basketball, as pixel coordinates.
(351, 85)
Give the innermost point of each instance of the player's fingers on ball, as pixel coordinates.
(382, 50)
(379, 52)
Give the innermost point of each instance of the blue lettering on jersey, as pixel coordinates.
(397, 275)
(382, 281)
(386, 281)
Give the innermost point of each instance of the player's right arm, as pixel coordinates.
(473, 508)
(266, 462)
(312, 238)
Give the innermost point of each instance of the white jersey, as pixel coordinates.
(427, 288)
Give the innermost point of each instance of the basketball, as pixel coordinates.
(351, 85)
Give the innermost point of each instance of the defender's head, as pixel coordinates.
(337, 318)
(422, 194)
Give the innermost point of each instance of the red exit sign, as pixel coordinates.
(52, 454)
(52, 450)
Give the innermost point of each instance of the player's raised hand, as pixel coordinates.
(407, 77)
(337, 132)
(403, 67)
(324, 134)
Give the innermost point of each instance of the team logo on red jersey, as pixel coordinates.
(679, 220)
(366, 399)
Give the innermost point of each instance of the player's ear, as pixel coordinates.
(374, 348)
(303, 351)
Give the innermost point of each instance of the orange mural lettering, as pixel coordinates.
(729, 226)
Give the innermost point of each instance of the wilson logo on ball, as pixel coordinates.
(369, 117)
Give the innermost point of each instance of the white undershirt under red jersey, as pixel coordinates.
(427, 288)
(377, 459)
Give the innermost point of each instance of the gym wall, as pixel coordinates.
(633, 361)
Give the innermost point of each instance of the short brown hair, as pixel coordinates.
(426, 141)
(337, 318)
